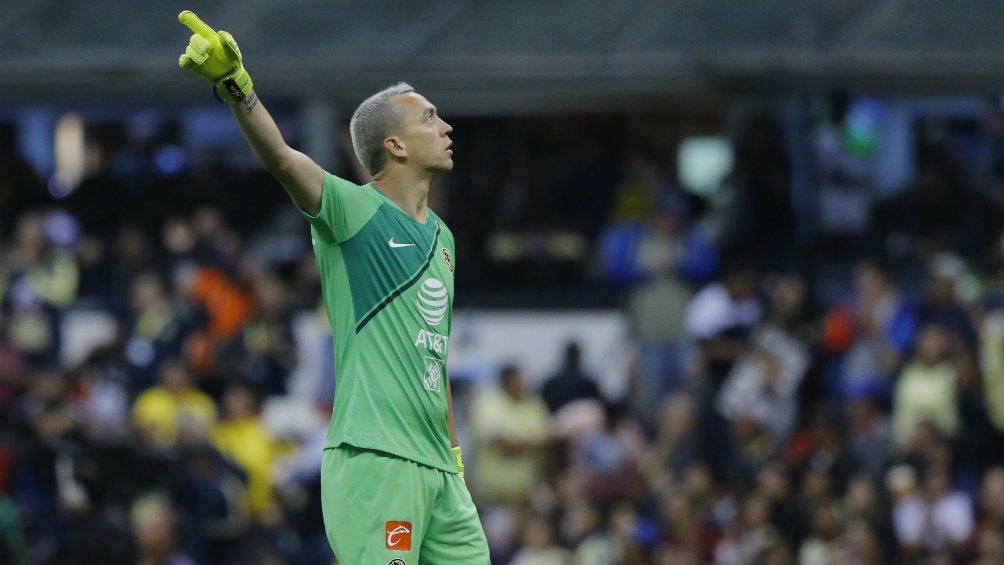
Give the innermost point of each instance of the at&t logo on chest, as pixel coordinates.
(433, 300)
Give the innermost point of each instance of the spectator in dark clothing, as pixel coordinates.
(570, 383)
(941, 304)
(212, 519)
(20, 189)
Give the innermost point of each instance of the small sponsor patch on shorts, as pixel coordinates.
(398, 538)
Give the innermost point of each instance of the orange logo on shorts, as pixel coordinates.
(399, 535)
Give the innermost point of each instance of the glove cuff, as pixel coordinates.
(234, 87)
(459, 458)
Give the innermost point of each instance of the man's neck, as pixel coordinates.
(406, 189)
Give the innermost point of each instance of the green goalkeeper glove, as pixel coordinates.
(214, 56)
(459, 457)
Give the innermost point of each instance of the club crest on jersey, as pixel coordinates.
(448, 259)
(433, 300)
(396, 562)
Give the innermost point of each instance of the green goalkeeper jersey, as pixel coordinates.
(387, 282)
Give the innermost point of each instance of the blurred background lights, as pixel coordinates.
(704, 162)
(170, 160)
(69, 150)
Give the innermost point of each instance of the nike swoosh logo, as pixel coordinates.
(392, 243)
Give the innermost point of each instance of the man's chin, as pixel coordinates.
(439, 170)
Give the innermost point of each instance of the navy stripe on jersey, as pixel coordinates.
(408, 284)
(382, 255)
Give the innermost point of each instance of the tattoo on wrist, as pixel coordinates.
(250, 102)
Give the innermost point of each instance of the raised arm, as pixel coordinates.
(297, 173)
(215, 57)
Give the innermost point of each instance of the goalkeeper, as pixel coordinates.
(392, 481)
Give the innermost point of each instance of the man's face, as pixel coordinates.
(424, 134)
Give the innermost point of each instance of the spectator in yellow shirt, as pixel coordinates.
(165, 412)
(510, 429)
(241, 436)
(927, 388)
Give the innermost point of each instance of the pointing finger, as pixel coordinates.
(195, 24)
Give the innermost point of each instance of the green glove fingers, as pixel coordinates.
(196, 24)
(230, 46)
(195, 54)
(215, 57)
(204, 55)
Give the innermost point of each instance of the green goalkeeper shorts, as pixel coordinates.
(384, 510)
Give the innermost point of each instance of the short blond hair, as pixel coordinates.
(372, 122)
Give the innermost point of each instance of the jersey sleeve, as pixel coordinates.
(345, 208)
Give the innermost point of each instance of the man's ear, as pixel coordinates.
(395, 146)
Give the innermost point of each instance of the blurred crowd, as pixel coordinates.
(865, 432)
(767, 420)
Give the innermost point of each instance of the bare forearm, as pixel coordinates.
(297, 173)
(261, 131)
